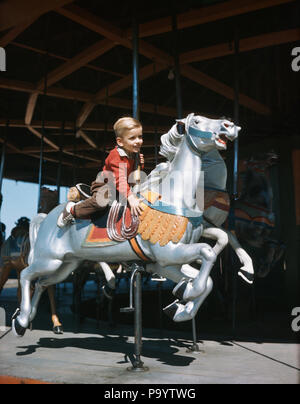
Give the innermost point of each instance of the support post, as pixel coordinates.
(195, 347)
(235, 169)
(43, 133)
(3, 155)
(136, 283)
(135, 74)
(58, 182)
(177, 66)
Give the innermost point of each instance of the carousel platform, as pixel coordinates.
(95, 353)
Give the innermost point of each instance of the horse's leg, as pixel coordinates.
(109, 288)
(4, 274)
(172, 272)
(29, 274)
(44, 282)
(246, 271)
(185, 254)
(109, 275)
(219, 235)
(180, 311)
(57, 326)
(19, 266)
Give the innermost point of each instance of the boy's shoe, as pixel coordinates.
(66, 216)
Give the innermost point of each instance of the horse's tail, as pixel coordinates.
(33, 232)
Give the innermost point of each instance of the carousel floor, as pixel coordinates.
(99, 354)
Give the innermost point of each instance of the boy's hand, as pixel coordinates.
(142, 160)
(134, 203)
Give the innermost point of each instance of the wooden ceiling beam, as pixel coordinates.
(16, 12)
(39, 135)
(32, 100)
(65, 59)
(222, 89)
(75, 63)
(245, 45)
(15, 32)
(112, 89)
(205, 15)
(81, 59)
(93, 127)
(59, 92)
(148, 143)
(95, 23)
(87, 138)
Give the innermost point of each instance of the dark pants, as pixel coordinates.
(99, 200)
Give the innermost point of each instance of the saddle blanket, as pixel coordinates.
(261, 218)
(154, 226)
(97, 231)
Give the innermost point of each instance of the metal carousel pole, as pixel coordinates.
(2, 167)
(194, 347)
(137, 269)
(43, 120)
(3, 155)
(58, 181)
(235, 168)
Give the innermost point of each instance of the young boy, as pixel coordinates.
(120, 161)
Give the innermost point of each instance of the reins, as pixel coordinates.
(126, 232)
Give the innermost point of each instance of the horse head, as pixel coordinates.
(207, 133)
(261, 162)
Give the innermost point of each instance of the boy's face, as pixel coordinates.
(132, 140)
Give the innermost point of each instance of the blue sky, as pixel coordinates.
(20, 199)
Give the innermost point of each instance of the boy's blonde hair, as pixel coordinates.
(126, 123)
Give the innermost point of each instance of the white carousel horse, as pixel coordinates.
(215, 178)
(56, 252)
(15, 250)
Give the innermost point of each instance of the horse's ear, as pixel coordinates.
(181, 121)
(184, 120)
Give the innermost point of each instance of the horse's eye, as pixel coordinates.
(196, 121)
(226, 125)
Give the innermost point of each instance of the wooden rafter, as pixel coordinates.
(112, 89)
(92, 127)
(65, 59)
(16, 12)
(39, 135)
(95, 23)
(87, 138)
(205, 15)
(148, 143)
(223, 89)
(66, 69)
(245, 45)
(15, 32)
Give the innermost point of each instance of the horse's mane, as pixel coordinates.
(170, 143)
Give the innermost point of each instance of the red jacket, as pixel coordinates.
(121, 167)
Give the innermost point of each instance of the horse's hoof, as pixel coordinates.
(171, 310)
(108, 292)
(248, 277)
(18, 330)
(179, 289)
(58, 330)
